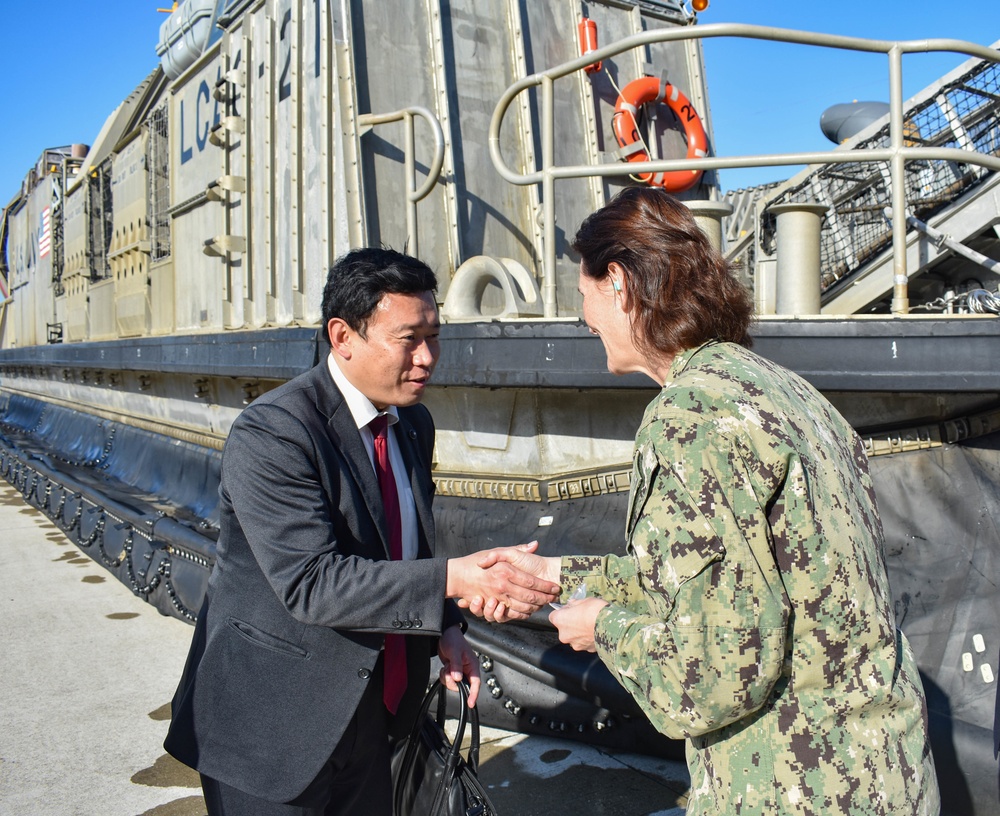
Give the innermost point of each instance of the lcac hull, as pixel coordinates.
(534, 441)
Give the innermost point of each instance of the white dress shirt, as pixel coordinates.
(364, 412)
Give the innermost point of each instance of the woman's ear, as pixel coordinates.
(619, 284)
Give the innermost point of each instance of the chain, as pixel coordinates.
(979, 301)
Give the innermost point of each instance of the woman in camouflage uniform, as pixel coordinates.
(751, 614)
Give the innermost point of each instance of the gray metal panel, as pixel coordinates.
(195, 164)
(314, 174)
(237, 204)
(923, 354)
(946, 355)
(30, 270)
(288, 154)
(268, 354)
(398, 65)
(943, 355)
(494, 218)
(194, 160)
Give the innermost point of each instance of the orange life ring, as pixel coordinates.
(648, 89)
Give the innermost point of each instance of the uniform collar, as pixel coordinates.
(683, 359)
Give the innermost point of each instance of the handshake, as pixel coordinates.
(509, 583)
(505, 583)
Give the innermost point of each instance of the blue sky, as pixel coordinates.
(67, 65)
(768, 97)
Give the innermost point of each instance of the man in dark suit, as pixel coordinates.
(292, 686)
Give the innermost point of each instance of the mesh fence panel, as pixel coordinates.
(159, 185)
(963, 114)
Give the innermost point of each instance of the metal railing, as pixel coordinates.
(961, 109)
(413, 193)
(895, 154)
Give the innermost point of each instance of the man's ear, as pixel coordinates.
(341, 337)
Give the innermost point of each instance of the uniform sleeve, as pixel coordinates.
(611, 577)
(707, 645)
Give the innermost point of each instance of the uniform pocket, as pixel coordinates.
(644, 470)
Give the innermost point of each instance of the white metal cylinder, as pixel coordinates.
(798, 259)
(709, 215)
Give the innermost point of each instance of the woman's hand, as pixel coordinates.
(506, 583)
(521, 557)
(575, 623)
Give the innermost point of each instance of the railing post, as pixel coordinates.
(413, 193)
(900, 280)
(412, 240)
(548, 202)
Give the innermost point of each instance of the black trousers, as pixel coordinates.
(354, 781)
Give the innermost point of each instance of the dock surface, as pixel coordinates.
(88, 671)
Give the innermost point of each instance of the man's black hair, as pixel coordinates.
(359, 279)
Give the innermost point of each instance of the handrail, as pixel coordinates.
(896, 154)
(940, 239)
(739, 246)
(413, 194)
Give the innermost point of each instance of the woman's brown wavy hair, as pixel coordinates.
(683, 292)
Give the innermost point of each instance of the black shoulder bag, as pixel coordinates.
(430, 777)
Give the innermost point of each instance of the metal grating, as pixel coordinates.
(58, 241)
(963, 114)
(157, 158)
(100, 209)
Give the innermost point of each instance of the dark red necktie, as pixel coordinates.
(395, 645)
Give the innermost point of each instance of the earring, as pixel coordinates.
(617, 285)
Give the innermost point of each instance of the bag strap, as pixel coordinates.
(466, 716)
(473, 758)
(454, 751)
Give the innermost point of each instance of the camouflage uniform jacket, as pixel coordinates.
(751, 614)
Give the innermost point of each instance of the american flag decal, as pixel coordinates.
(45, 233)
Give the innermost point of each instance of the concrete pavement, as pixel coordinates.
(87, 671)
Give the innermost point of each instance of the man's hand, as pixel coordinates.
(459, 661)
(576, 621)
(521, 557)
(499, 582)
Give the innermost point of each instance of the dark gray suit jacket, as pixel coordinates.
(303, 592)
